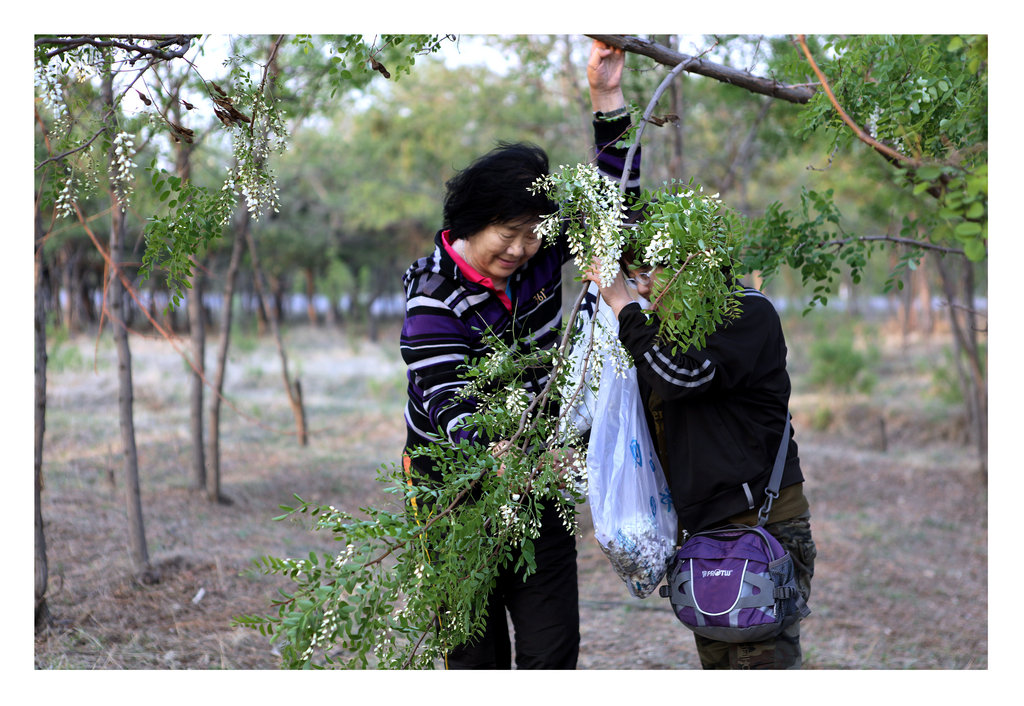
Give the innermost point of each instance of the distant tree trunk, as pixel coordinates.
(677, 160)
(310, 295)
(908, 318)
(294, 390)
(741, 153)
(277, 311)
(76, 293)
(136, 530)
(213, 493)
(924, 293)
(964, 319)
(42, 612)
(262, 314)
(64, 264)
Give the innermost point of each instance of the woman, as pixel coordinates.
(490, 274)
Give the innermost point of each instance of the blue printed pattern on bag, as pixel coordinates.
(666, 499)
(634, 446)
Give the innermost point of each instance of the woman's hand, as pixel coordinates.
(616, 295)
(604, 73)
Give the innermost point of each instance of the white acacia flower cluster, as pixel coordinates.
(569, 518)
(584, 192)
(258, 188)
(516, 401)
(711, 259)
(254, 180)
(343, 557)
(48, 78)
(67, 197)
(514, 524)
(295, 567)
(873, 129)
(608, 347)
(324, 635)
(661, 250)
(121, 166)
(923, 90)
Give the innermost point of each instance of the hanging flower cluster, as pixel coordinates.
(253, 144)
(591, 209)
(48, 81)
(121, 166)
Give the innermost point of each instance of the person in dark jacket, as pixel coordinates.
(490, 273)
(717, 414)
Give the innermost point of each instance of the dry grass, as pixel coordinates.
(901, 577)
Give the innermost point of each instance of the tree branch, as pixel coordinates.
(725, 74)
(884, 150)
(910, 242)
(127, 43)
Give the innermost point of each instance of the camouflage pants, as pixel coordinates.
(783, 651)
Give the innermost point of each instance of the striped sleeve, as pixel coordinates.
(727, 361)
(435, 343)
(670, 376)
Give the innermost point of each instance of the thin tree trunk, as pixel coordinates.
(197, 335)
(213, 493)
(294, 391)
(42, 612)
(136, 529)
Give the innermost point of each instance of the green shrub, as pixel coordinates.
(62, 354)
(838, 364)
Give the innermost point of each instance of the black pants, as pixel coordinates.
(544, 610)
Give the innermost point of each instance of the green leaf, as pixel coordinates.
(975, 250)
(967, 228)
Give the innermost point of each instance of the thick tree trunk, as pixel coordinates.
(42, 571)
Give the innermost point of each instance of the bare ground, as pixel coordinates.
(899, 513)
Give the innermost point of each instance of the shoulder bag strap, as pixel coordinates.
(775, 480)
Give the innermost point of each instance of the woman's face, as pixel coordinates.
(500, 249)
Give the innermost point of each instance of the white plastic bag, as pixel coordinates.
(634, 521)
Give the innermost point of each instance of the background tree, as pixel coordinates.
(92, 146)
(920, 104)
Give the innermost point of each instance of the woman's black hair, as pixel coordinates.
(496, 189)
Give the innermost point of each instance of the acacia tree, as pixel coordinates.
(920, 104)
(90, 145)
